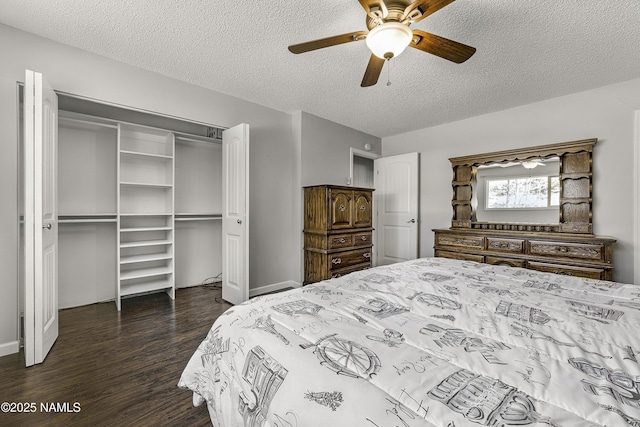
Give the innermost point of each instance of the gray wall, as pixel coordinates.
(325, 154)
(78, 72)
(606, 113)
(322, 156)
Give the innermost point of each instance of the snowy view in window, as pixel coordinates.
(523, 193)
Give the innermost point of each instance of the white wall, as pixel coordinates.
(273, 241)
(606, 113)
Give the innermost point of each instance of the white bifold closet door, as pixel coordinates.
(40, 218)
(235, 214)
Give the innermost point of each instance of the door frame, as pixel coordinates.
(354, 152)
(636, 199)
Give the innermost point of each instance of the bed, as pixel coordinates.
(428, 342)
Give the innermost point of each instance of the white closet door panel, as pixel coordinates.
(41, 218)
(235, 214)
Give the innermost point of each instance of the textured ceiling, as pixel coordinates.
(527, 51)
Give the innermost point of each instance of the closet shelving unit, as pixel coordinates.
(145, 218)
(139, 208)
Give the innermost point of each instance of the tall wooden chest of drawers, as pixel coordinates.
(337, 231)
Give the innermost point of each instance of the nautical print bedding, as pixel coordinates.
(429, 342)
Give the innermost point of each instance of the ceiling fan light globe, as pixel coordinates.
(389, 39)
(530, 164)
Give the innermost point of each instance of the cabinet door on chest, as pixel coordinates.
(341, 209)
(362, 205)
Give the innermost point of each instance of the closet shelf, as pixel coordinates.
(145, 214)
(134, 259)
(143, 243)
(145, 272)
(146, 184)
(154, 285)
(135, 229)
(87, 218)
(144, 154)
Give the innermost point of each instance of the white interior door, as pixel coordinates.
(235, 214)
(396, 181)
(41, 215)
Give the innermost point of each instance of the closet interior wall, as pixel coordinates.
(89, 199)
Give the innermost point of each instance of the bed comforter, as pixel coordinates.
(429, 342)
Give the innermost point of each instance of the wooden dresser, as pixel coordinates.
(573, 255)
(337, 231)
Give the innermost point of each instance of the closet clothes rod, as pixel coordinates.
(197, 217)
(204, 218)
(180, 137)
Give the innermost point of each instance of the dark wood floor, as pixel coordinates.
(122, 368)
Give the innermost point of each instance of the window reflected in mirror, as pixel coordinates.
(527, 191)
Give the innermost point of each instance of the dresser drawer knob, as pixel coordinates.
(367, 255)
(363, 207)
(342, 240)
(563, 249)
(336, 261)
(363, 238)
(341, 208)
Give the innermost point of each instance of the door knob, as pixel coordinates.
(412, 221)
(239, 221)
(48, 226)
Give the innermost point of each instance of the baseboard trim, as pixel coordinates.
(273, 287)
(9, 348)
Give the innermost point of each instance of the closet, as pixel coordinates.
(139, 203)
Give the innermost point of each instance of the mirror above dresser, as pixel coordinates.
(528, 208)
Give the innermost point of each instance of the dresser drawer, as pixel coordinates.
(567, 250)
(362, 239)
(340, 241)
(348, 258)
(504, 261)
(458, 255)
(475, 242)
(505, 245)
(344, 271)
(567, 270)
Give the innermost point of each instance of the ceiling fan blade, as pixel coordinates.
(372, 73)
(420, 9)
(439, 46)
(327, 42)
(376, 9)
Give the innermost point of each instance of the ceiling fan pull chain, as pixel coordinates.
(389, 72)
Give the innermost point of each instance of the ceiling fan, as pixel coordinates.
(389, 34)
